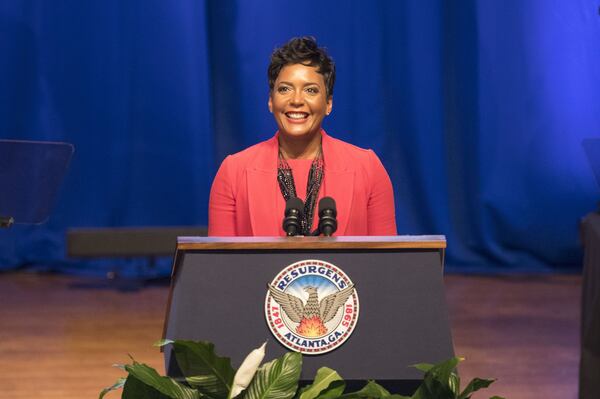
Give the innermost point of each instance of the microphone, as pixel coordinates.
(327, 216)
(294, 209)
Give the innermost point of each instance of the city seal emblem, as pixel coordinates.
(311, 307)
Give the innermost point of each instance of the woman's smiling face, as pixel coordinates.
(299, 101)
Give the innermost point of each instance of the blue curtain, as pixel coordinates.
(476, 108)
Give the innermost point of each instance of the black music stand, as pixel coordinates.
(30, 175)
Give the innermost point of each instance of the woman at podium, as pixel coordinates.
(249, 193)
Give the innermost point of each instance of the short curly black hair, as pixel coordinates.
(303, 50)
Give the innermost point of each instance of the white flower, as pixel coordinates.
(247, 370)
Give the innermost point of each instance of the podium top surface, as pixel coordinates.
(287, 243)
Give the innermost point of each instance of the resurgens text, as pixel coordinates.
(303, 270)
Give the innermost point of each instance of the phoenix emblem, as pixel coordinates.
(314, 314)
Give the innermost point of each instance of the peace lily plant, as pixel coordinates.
(208, 376)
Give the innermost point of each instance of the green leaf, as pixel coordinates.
(333, 391)
(203, 369)
(418, 394)
(442, 370)
(277, 379)
(475, 385)
(136, 389)
(325, 376)
(117, 385)
(372, 391)
(440, 381)
(424, 367)
(454, 383)
(164, 385)
(434, 389)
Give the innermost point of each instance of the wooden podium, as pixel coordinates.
(219, 285)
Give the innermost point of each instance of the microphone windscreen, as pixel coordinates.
(294, 203)
(327, 203)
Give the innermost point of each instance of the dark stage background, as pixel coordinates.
(476, 108)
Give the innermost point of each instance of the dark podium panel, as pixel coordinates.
(219, 286)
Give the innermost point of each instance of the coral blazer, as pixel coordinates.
(245, 198)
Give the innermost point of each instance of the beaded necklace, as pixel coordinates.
(287, 185)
